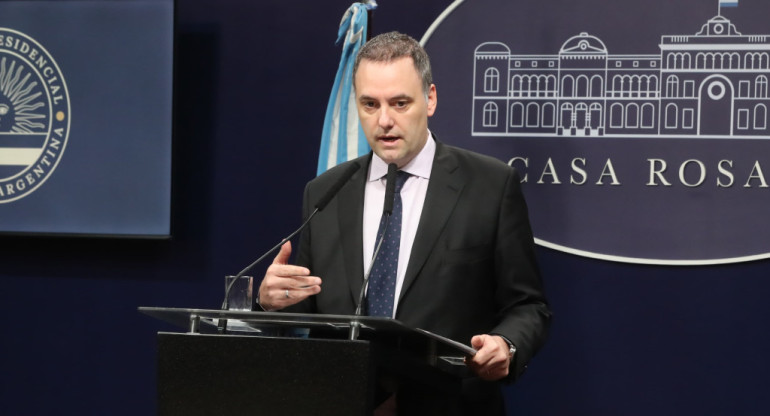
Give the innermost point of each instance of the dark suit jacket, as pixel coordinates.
(472, 269)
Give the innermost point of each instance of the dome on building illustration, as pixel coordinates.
(583, 43)
(493, 47)
(718, 26)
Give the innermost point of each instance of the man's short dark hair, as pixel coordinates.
(390, 46)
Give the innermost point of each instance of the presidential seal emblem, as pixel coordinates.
(34, 115)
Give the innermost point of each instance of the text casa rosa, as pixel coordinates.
(658, 172)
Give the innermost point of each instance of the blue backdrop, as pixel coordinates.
(253, 79)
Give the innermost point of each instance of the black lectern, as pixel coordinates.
(296, 364)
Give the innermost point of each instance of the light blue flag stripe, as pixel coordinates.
(342, 138)
(728, 3)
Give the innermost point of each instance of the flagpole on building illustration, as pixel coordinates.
(726, 3)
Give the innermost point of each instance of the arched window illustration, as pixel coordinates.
(491, 80)
(734, 61)
(760, 88)
(595, 115)
(686, 61)
(627, 85)
(760, 117)
(700, 61)
(678, 60)
(719, 60)
(517, 115)
(617, 86)
(653, 86)
(713, 61)
(756, 60)
(708, 61)
(582, 86)
(538, 85)
(548, 115)
(526, 86)
(566, 115)
(632, 115)
(750, 58)
(596, 86)
(636, 86)
(644, 86)
(671, 116)
(551, 86)
(533, 86)
(648, 115)
(544, 85)
(581, 115)
(616, 115)
(764, 61)
(516, 86)
(567, 83)
(672, 86)
(490, 114)
(533, 115)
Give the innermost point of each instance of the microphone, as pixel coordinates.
(390, 189)
(387, 209)
(319, 206)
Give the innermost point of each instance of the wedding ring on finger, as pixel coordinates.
(287, 293)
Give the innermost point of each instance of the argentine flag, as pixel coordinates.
(342, 138)
(728, 3)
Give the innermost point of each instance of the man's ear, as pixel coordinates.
(432, 100)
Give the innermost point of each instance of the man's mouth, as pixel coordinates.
(388, 139)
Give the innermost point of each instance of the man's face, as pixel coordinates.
(393, 109)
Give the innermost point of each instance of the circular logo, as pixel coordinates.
(34, 115)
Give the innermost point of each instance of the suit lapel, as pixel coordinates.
(350, 212)
(446, 183)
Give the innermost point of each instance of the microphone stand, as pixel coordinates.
(222, 327)
(320, 205)
(387, 210)
(355, 325)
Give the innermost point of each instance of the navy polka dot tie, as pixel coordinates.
(382, 281)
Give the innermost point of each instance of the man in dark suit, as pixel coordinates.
(466, 266)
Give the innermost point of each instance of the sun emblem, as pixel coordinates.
(34, 115)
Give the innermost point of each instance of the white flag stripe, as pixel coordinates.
(353, 124)
(18, 157)
(340, 138)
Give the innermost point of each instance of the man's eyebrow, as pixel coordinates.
(395, 97)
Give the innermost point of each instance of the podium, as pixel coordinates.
(275, 363)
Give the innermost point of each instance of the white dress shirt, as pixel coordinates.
(412, 199)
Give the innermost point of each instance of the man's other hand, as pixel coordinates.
(492, 359)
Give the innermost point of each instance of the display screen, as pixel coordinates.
(86, 117)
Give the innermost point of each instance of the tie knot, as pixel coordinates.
(401, 178)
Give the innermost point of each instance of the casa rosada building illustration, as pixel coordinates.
(711, 84)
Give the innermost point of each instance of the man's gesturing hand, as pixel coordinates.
(285, 284)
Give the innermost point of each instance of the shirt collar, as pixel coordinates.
(420, 166)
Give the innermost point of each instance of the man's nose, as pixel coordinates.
(385, 120)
